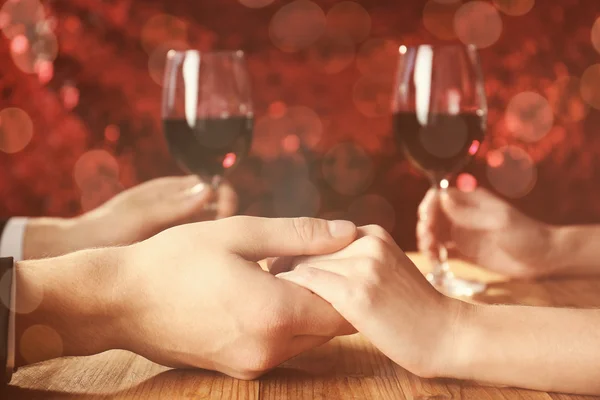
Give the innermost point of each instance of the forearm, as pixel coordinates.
(50, 237)
(547, 349)
(576, 250)
(66, 306)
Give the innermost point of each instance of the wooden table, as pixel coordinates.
(346, 368)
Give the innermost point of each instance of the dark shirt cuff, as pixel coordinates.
(6, 286)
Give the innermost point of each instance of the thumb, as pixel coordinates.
(258, 238)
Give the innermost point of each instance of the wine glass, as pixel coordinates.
(440, 118)
(207, 111)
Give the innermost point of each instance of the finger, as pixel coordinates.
(367, 246)
(227, 201)
(330, 286)
(312, 315)
(474, 210)
(257, 238)
(282, 264)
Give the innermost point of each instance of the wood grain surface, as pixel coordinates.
(345, 368)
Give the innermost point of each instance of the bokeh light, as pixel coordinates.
(112, 133)
(438, 18)
(372, 209)
(297, 25)
(70, 96)
(566, 101)
(94, 166)
(529, 116)
(372, 97)
(36, 55)
(596, 35)
(277, 109)
(305, 124)
(478, 23)
(348, 169)
(516, 174)
(162, 29)
(350, 18)
(466, 182)
(590, 86)
(16, 130)
(19, 44)
(332, 53)
(32, 351)
(26, 304)
(255, 3)
(15, 16)
(378, 58)
(291, 143)
(44, 70)
(515, 8)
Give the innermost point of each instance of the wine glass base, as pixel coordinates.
(456, 287)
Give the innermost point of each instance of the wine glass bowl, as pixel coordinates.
(207, 111)
(439, 121)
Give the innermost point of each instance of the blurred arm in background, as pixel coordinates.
(131, 216)
(485, 230)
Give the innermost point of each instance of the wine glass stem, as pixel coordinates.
(441, 269)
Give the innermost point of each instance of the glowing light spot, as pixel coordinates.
(44, 70)
(297, 25)
(93, 167)
(40, 342)
(70, 96)
(478, 23)
(514, 8)
(596, 35)
(372, 209)
(291, 143)
(378, 58)
(332, 53)
(112, 133)
(402, 49)
(516, 175)
(306, 124)
(229, 160)
(255, 3)
(495, 159)
(16, 15)
(444, 184)
(529, 116)
(348, 169)
(590, 86)
(466, 182)
(277, 109)
(16, 130)
(72, 24)
(162, 29)
(372, 97)
(350, 18)
(566, 101)
(20, 44)
(474, 148)
(438, 18)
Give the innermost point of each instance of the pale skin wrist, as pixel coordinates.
(49, 237)
(69, 306)
(574, 250)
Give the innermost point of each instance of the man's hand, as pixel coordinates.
(132, 216)
(487, 231)
(191, 296)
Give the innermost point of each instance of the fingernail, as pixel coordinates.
(197, 189)
(341, 228)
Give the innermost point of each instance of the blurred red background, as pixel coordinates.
(80, 102)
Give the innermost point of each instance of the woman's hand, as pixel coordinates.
(131, 216)
(378, 289)
(487, 231)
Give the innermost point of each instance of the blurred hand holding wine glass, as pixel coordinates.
(440, 117)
